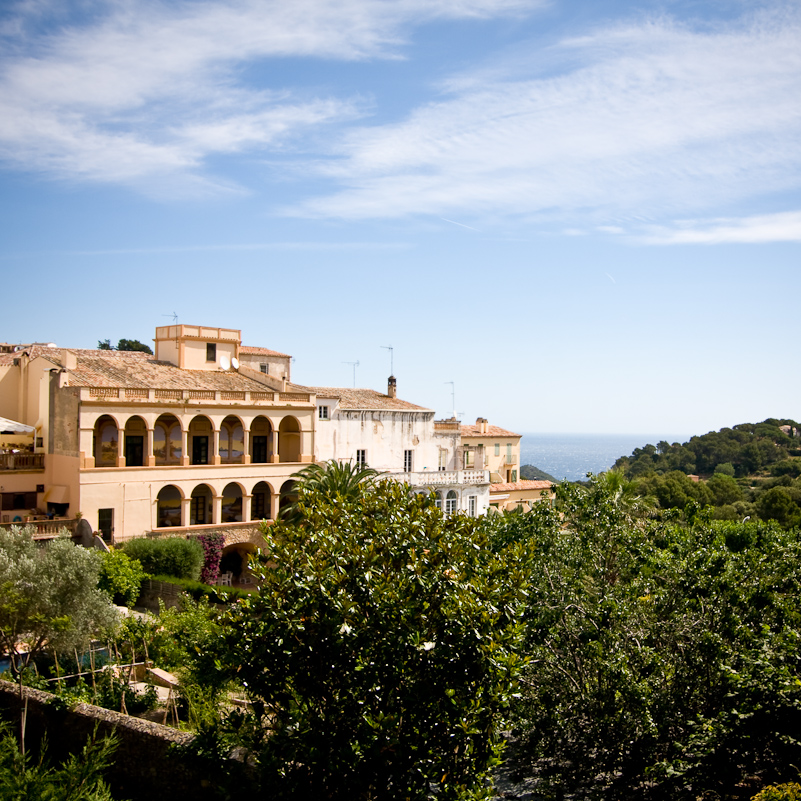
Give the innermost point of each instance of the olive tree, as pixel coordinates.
(381, 649)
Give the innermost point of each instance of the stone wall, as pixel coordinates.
(146, 765)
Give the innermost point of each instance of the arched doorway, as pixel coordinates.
(289, 440)
(232, 441)
(231, 504)
(167, 440)
(106, 441)
(200, 440)
(261, 440)
(135, 438)
(200, 506)
(168, 507)
(261, 502)
(288, 496)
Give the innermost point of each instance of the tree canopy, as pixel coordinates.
(125, 344)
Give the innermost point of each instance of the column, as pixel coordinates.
(274, 436)
(184, 446)
(120, 447)
(214, 456)
(246, 507)
(216, 502)
(274, 499)
(247, 455)
(150, 458)
(186, 511)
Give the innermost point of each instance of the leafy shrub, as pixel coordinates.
(121, 576)
(212, 545)
(197, 590)
(170, 556)
(780, 792)
(380, 650)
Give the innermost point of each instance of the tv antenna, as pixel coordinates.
(453, 396)
(354, 365)
(174, 316)
(391, 358)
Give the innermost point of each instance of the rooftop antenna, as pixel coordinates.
(391, 358)
(355, 365)
(174, 316)
(453, 397)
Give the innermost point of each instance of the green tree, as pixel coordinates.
(134, 345)
(49, 597)
(121, 577)
(724, 489)
(381, 648)
(777, 504)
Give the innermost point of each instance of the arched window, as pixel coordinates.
(438, 500)
(261, 441)
(200, 507)
(232, 441)
(167, 440)
(289, 440)
(106, 440)
(135, 436)
(261, 502)
(200, 436)
(168, 507)
(288, 495)
(450, 502)
(232, 504)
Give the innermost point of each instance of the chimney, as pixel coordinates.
(68, 359)
(392, 387)
(482, 425)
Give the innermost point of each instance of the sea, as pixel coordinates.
(572, 456)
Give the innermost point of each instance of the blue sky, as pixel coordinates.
(587, 215)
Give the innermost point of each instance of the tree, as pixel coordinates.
(380, 650)
(49, 596)
(125, 345)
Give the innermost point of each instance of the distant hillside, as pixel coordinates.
(744, 450)
(531, 473)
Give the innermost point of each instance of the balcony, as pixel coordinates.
(145, 396)
(442, 477)
(22, 461)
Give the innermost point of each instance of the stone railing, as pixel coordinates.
(441, 477)
(143, 395)
(46, 529)
(22, 461)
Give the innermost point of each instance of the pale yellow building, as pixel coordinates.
(491, 448)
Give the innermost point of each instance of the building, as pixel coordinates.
(521, 494)
(491, 448)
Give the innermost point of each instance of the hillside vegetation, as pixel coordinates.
(750, 470)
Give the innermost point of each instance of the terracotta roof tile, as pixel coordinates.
(249, 350)
(492, 431)
(521, 485)
(363, 399)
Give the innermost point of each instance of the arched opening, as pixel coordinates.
(288, 495)
(438, 500)
(168, 507)
(261, 502)
(235, 562)
(200, 439)
(135, 438)
(200, 506)
(231, 504)
(261, 441)
(450, 502)
(289, 440)
(232, 441)
(167, 440)
(106, 442)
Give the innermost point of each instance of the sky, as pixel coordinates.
(565, 216)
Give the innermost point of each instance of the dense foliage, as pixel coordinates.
(743, 472)
(663, 655)
(380, 650)
(212, 544)
(169, 556)
(120, 577)
(125, 344)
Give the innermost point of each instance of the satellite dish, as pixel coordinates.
(224, 362)
(235, 363)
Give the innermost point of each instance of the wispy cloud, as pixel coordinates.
(132, 91)
(781, 227)
(655, 119)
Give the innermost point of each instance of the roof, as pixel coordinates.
(131, 369)
(521, 485)
(363, 399)
(249, 350)
(492, 431)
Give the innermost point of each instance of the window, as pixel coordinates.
(407, 461)
(508, 453)
(438, 501)
(497, 448)
(105, 523)
(514, 476)
(265, 368)
(211, 351)
(322, 413)
(361, 458)
(259, 449)
(443, 460)
(200, 450)
(450, 502)
(468, 460)
(472, 502)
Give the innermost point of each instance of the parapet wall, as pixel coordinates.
(146, 764)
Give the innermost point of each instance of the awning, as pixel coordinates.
(13, 427)
(58, 493)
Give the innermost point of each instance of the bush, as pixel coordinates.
(780, 792)
(121, 577)
(212, 545)
(380, 650)
(171, 556)
(197, 590)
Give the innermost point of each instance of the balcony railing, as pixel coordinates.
(141, 395)
(439, 477)
(46, 529)
(22, 461)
